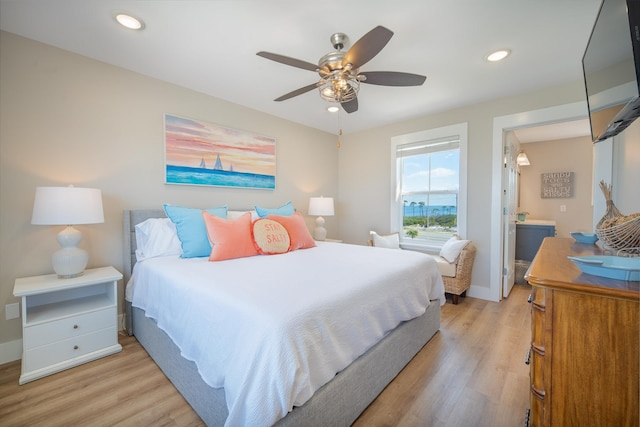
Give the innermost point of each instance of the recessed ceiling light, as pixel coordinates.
(129, 21)
(498, 55)
(333, 109)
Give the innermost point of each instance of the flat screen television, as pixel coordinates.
(611, 66)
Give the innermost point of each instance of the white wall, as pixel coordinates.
(626, 170)
(66, 119)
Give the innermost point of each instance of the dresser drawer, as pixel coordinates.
(537, 327)
(58, 330)
(51, 354)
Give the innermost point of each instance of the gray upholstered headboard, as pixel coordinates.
(131, 218)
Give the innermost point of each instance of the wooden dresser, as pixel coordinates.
(585, 342)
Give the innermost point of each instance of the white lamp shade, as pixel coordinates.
(321, 206)
(67, 206)
(522, 159)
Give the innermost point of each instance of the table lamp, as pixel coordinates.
(319, 206)
(67, 206)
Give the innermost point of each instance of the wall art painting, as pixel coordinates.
(557, 185)
(200, 153)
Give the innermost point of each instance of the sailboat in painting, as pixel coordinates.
(218, 165)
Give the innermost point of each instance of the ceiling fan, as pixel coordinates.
(339, 71)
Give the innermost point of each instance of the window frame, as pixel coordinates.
(459, 131)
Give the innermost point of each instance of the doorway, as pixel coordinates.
(500, 241)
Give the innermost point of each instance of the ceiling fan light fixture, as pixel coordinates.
(339, 71)
(498, 55)
(129, 21)
(338, 88)
(333, 109)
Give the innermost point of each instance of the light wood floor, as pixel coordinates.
(472, 373)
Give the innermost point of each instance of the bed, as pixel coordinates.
(313, 400)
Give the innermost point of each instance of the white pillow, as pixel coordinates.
(238, 214)
(450, 251)
(156, 237)
(391, 241)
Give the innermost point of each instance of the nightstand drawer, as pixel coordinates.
(47, 333)
(51, 354)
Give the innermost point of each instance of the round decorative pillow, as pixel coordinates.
(270, 237)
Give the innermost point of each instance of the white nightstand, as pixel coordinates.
(67, 322)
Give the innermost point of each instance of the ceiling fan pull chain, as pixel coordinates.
(340, 129)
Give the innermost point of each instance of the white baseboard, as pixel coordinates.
(10, 351)
(481, 292)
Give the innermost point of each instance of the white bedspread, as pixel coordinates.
(273, 329)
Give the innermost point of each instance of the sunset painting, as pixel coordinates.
(199, 153)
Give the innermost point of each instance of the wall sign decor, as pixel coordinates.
(199, 153)
(557, 185)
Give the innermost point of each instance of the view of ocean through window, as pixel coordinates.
(430, 185)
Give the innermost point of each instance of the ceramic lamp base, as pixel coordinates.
(320, 233)
(69, 261)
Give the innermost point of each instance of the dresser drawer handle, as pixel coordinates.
(75, 347)
(75, 326)
(528, 359)
(539, 307)
(537, 349)
(538, 393)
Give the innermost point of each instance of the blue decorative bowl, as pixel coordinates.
(612, 267)
(584, 237)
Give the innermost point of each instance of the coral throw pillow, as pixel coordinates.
(270, 237)
(297, 229)
(230, 238)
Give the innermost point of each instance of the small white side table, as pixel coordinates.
(67, 322)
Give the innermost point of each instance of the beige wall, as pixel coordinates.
(365, 161)
(567, 155)
(66, 119)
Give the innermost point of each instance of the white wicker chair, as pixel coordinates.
(457, 286)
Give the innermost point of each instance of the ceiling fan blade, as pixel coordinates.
(392, 78)
(297, 92)
(367, 47)
(350, 106)
(288, 61)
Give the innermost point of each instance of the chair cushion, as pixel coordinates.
(446, 268)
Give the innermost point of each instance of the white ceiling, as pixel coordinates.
(210, 47)
(554, 131)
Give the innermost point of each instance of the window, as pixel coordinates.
(428, 175)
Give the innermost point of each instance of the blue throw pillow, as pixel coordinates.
(191, 229)
(285, 210)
